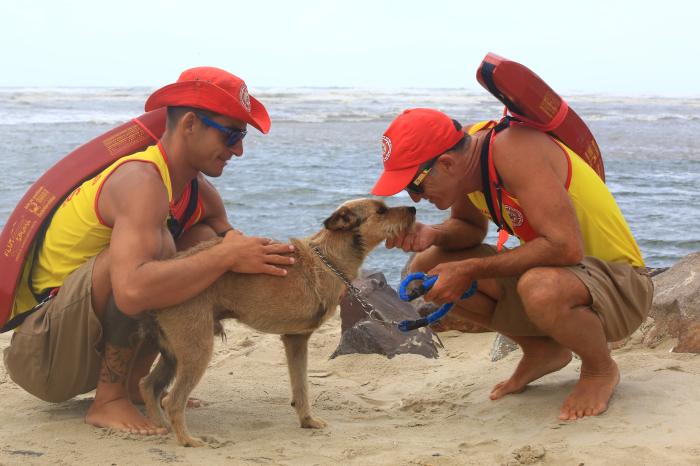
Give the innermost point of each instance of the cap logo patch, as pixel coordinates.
(386, 148)
(245, 97)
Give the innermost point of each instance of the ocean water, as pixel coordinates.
(324, 148)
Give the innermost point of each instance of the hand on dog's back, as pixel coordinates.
(252, 254)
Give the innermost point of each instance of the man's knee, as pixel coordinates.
(542, 295)
(421, 262)
(38, 376)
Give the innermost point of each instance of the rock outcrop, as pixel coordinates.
(362, 334)
(675, 312)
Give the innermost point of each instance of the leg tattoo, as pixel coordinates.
(121, 344)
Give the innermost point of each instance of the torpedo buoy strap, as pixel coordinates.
(176, 226)
(493, 190)
(17, 320)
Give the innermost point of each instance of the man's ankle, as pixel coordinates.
(107, 392)
(600, 367)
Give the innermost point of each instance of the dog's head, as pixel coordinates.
(371, 220)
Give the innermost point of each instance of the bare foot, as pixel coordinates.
(537, 361)
(122, 415)
(591, 394)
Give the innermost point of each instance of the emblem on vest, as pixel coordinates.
(516, 217)
(386, 148)
(244, 97)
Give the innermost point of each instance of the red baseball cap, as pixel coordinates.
(414, 137)
(215, 90)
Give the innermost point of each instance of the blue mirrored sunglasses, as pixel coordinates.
(233, 135)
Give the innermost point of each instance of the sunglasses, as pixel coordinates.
(233, 135)
(415, 186)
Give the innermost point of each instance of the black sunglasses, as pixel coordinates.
(233, 135)
(415, 186)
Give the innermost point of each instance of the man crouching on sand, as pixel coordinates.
(576, 282)
(110, 248)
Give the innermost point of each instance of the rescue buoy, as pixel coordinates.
(529, 99)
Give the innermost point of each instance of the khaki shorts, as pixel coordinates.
(621, 295)
(55, 354)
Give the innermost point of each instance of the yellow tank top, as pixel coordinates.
(605, 232)
(77, 232)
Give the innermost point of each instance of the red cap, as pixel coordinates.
(414, 137)
(215, 90)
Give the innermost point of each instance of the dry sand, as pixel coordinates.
(407, 410)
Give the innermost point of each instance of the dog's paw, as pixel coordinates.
(191, 442)
(313, 423)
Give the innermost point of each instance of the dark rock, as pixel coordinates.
(360, 334)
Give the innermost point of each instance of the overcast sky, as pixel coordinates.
(593, 46)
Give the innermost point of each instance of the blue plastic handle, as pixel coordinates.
(427, 283)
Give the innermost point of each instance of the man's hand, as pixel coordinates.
(417, 239)
(251, 254)
(454, 279)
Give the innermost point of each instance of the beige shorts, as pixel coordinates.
(621, 296)
(55, 354)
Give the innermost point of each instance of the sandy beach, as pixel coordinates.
(406, 410)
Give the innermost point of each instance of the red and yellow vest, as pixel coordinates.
(605, 232)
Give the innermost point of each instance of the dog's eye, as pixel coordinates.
(381, 210)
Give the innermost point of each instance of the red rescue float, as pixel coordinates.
(529, 99)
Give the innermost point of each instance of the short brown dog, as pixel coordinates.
(293, 306)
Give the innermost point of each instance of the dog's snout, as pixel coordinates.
(411, 210)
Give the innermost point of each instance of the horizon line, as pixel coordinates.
(471, 90)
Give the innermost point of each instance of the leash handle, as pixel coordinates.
(427, 283)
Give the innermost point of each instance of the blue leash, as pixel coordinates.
(427, 282)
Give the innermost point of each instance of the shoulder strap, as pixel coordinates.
(17, 320)
(177, 225)
(492, 189)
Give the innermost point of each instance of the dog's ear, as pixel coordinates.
(342, 219)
